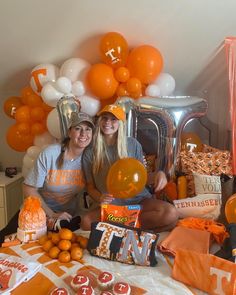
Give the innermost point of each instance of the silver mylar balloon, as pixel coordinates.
(65, 106)
(157, 124)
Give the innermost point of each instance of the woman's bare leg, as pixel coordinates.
(88, 218)
(158, 215)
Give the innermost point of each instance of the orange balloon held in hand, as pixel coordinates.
(126, 178)
(114, 49)
(191, 142)
(145, 63)
(230, 209)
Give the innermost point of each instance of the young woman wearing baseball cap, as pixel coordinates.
(57, 178)
(110, 143)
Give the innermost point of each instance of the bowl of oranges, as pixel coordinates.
(64, 245)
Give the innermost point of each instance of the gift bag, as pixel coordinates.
(123, 244)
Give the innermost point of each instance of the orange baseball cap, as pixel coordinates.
(115, 110)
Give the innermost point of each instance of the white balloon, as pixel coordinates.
(53, 124)
(153, 90)
(75, 69)
(50, 94)
(166, 83)
(44, 139)
(33, 151)
(63, 84)
(89, 105)
(78, 88)
(27, 161)
(25, 171)
(42, 74)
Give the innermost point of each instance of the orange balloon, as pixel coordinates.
(23, 128)
(37, 114)
(136, 94)
(105, 102)
(230, 209)
(122, 74)
(11, 105)
(191, 142)
(101, 81)
(37, 128)
(134, 85)
(34, 100)
(145, 63)
(121, 90)
(23, 114)
(114, 49)
(126, 178)
(25, 92)
(47, 108)
(17, 141)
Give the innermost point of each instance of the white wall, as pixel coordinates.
(189, 34)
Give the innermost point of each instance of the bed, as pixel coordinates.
(143, 280)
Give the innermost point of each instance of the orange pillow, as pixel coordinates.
(210, 161)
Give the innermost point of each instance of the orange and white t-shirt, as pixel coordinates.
(58, 187)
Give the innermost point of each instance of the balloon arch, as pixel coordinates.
(43, 107)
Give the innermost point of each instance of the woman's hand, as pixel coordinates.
(62, 216)
(106, 198)
(160, 181)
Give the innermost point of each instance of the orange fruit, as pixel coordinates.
(64, 245)
(55, 238)
(43, 239)
(64, 256)
(74, 238)
(47, 245)
(50, 234)
(54, 252)
(74, 245)
(76, 253)
(83, 242)
(65, 234)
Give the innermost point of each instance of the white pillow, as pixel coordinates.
(201, 206)
(206, 184)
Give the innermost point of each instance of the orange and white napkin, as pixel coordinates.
(14, 271)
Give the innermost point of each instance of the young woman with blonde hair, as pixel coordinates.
(110, 143)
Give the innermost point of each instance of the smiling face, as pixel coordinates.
(109, 124)
(81, 135)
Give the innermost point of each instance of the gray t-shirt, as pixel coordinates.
(59, 188)
(134, 151)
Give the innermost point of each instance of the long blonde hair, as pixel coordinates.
(100, 152)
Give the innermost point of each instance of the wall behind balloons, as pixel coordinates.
(188, 33)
